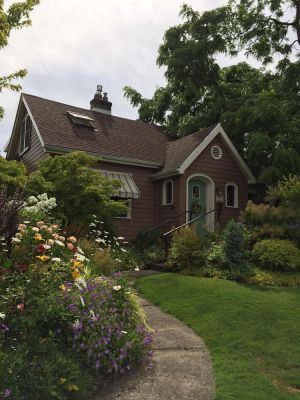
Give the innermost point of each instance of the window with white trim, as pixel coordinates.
(167, 192)
(127, 213)
(232, 195)
(25, 136)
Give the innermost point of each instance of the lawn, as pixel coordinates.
(253, 334)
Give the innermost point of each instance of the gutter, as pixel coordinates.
(103, 157)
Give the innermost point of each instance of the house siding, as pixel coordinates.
(35, 152)
(221, 171)
(144, 210)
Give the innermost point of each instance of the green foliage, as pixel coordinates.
(12, 175)
(258, 108)
(233, 244)
(187, 251)
(277, 254)
(80, 190)
(15, 17)
(273, 278)
(153, 254)
(216, 255)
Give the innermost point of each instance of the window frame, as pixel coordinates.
(129, 209)
(164, 193)
(25, 137)
(236, 195)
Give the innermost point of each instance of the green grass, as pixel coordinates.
(253, 334)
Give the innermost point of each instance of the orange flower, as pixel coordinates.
(76, 274)
(38, 237)
(43, 258)
(50, 242)
(40, 223)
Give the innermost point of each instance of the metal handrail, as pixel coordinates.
(164, 223)
(190, 222)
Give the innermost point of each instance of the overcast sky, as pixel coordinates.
(73, 45)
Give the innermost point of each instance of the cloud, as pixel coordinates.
(73, 45)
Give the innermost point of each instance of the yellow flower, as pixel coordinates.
(76, 274)
(77, 264)
(38, 237)
(43, 258)
(64, 288)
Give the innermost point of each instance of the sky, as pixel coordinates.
(73, 45)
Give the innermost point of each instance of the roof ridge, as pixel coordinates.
(195, 133)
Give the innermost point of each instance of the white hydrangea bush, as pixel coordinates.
(37, 207)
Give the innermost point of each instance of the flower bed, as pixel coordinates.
(61, 326)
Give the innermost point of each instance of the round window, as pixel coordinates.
(216, 152)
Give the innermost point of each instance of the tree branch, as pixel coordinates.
(277, 21)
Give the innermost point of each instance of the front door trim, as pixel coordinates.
(210, 199)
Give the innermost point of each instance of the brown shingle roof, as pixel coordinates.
(114, 136)
(178, 150)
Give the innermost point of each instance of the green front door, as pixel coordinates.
(197, 202)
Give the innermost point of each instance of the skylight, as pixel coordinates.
(80, 119)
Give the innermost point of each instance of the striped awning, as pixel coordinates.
(128, 188)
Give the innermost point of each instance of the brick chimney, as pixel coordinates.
(100, 102)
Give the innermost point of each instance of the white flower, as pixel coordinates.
(79, 249)
(76, 324)
(2, 315)
(80, 283)
(82, 301)
(15, 240)
(117, 287)
(124, 250)
(124, 332)
(35, 229)
(81, 257)
(26, 222)
(92, 224)
(46, 246)
(59, 243)
(120, 238)
(93, 317)
(32, 199)
(136, 269)
(56, 259)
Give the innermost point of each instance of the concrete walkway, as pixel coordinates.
(182, 369)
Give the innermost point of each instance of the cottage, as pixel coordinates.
(162, 178)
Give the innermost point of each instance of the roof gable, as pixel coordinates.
(192, 146)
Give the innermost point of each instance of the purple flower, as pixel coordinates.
(3, 327)
(97, 365)
(6, 393)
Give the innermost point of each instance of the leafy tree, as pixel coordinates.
(12, 175)
(259, 109)
(16, 17)
(79, 189)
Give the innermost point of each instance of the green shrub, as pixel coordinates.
(153, 254)
(233, 244)
(277, 254)
(216, 255)
(274, 278)
(187, 251)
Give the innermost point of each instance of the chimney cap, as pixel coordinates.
(99, 89)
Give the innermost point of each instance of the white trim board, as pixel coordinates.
(198, 150)
(24, 102)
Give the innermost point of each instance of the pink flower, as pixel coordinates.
(55, 227)
(21, 227)
(49, 230)
(72, 239)
(62, 239)
(21, 306)
(70, 246)
(43, 227)
(35, 229)
(40, 223)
